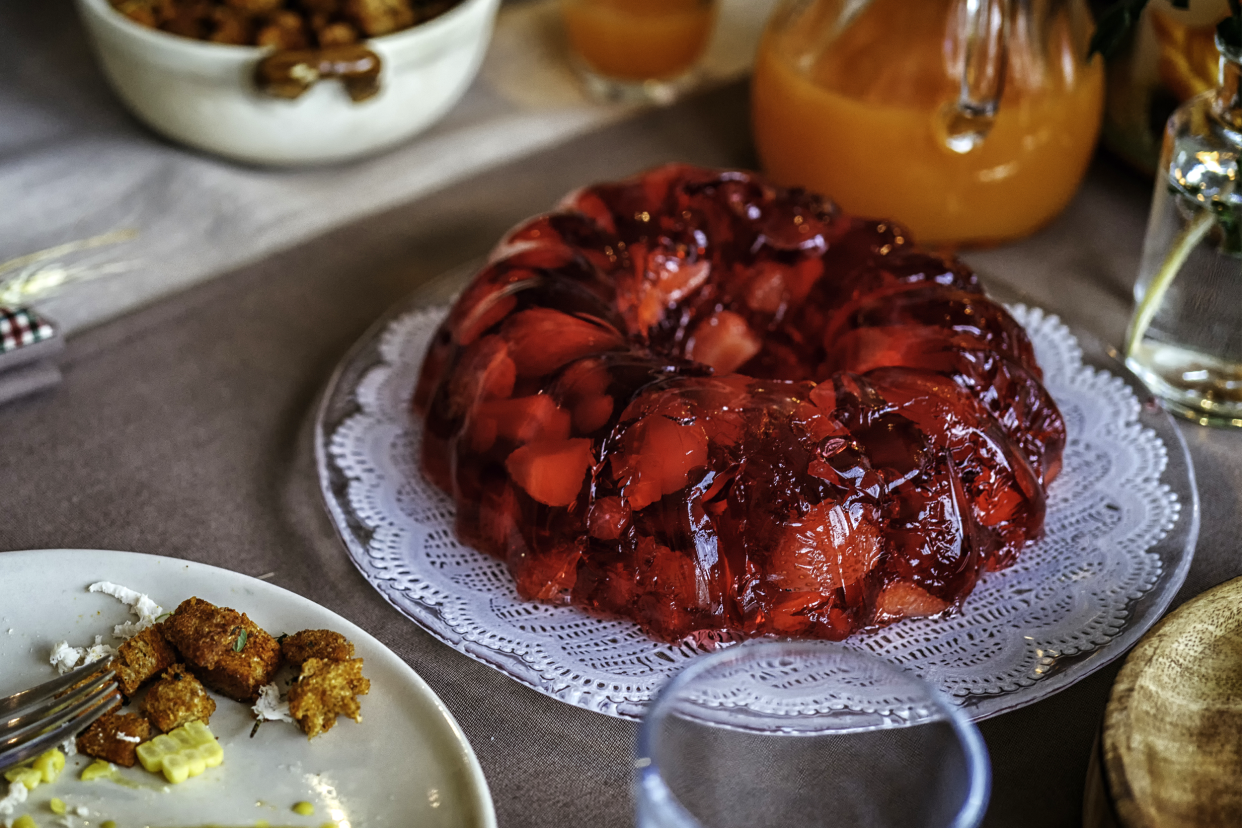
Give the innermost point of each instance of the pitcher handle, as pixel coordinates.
(984, 31)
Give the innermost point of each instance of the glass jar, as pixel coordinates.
(968, 121)
(637, 50)
(1169, 57)
(1185, 338)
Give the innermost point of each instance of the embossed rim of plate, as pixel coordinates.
(1176, 548)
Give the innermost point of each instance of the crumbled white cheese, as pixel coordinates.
(82, 811)
(139, 604)
(64, 658)
(132, 739)
(69, 747)
(17, 795)
(270, 707)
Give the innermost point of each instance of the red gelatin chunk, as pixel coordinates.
(902, 600)
(553, 471)
(656, 459)
(724, 341)
(542, 340)
(825, 550)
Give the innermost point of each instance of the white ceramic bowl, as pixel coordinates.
(203, 94)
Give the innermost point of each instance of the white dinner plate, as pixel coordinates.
(406, 764)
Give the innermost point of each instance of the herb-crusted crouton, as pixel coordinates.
(322, 644)
(141, 658)
(324, 690)
(224, 648)
(178, 697)
(115, 737)
(379, 17)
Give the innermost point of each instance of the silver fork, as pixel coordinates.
(39, 718)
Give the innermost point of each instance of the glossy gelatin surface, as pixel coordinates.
(719, 407)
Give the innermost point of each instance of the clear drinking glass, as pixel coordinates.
(779, 733)
(638, 50)
(1185, 338)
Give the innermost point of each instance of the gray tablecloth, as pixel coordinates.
(183, 429)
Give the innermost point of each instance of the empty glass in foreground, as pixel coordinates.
(777, 733)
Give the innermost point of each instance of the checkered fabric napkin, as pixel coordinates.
(19, 327)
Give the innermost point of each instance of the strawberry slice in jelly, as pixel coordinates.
(825, 549)
(548, 573)
(485, 371)
(542, 340)
(905, 600)
(724, 341)
(551, 471)
(935, 306)
(663, 281)
(536, 418)
(655, 457)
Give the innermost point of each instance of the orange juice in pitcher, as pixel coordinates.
(968, 121)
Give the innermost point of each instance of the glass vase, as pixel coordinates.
(1185, 338)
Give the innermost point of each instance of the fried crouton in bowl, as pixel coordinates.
(314, 90)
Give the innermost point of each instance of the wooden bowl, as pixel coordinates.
(1170, 752)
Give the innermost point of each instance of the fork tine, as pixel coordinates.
(47, 708)
(35, 695)
(82, 708)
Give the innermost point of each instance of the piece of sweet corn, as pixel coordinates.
(45, 768)
(181, 753)
(57, 805)
(303, 809)
(25, 821)
(50, 763)
(98, 769)
(27, 776)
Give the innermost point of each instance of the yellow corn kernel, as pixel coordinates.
(50, 763)
(99, 769)
(107, 823)
(181, 753)
(57, 805)
(304, 809)
(27, 776)
(25, 821)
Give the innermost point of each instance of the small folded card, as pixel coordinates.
(20, 327)
(27, 343)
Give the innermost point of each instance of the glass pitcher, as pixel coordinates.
(968, 121)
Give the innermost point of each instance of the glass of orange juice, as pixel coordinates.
(638, 50)
(967, 121)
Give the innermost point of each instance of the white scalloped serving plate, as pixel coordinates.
(1120, 533)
